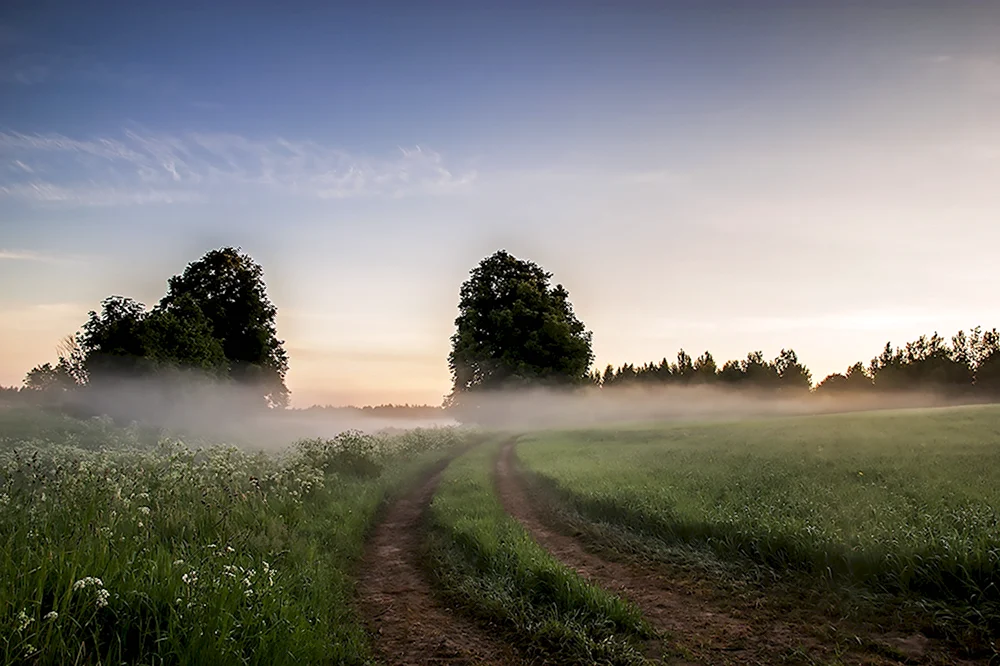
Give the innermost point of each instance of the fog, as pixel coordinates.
(201, 409)
(545, 409)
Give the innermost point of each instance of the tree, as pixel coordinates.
(759, 373)
(515, 329)
(792, 374)
(705, 368)
(858, 380)
(48, 378)
(113, 342)
(228, 287)
(732, 372)
(833, 383)
(683, 370)
(181, 337)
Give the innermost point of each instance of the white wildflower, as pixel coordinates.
(29, 649)
(190, 578)
(102, 598)
(23, 620)
(144, 510)
(51, 615)
(89, 581)
(4, 499)
(178, 562)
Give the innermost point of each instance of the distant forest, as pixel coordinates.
(969, 364)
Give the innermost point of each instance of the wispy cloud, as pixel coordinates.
(29, 255)
(143, 167)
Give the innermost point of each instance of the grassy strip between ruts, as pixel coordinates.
(172, 555)
(485, 561)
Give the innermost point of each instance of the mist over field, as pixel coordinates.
(534, 408)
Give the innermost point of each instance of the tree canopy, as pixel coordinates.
(515, 329)
(215, 319)
(228, 288)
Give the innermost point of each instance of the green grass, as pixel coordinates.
(487, 562)
(904, 502)
(202, 556)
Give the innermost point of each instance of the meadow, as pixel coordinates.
(900, 503)
(127, 545)
(126, 548)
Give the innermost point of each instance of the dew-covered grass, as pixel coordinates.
(486, 562)
(165, 554)
(902, 502)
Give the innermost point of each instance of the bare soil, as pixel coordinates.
(410, 625)
(703, 626)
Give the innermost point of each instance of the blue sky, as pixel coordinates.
(730, 176)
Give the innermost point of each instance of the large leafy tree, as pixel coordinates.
(114, 341)
(124, 340)
(228, 288)
(515, 329)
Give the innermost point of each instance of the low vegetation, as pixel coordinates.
(897, 503)
(161, 553)
(487, 562)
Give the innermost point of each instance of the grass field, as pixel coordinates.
(140, 553)
(904, 503)
(127, 547)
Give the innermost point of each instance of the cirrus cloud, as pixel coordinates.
(146, 167)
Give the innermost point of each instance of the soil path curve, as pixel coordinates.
(409, 623)
(699, 627)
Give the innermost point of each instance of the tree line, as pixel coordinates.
(514, 329)
(970, 363)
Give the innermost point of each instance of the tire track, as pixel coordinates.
(410, 625)
(700, 627)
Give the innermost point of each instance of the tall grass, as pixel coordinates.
(902, 502)
(488, 563)
(174, 555)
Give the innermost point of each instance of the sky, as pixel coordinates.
(728, 176)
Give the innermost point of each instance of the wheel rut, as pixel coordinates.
(411, 625)
(701, 628)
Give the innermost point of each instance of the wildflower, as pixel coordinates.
(51, 615)
(4, 499)
(190, 578)
(178, 562)
(102, 598)
(29, 649)
(23, 620)
(143, 510)
(89, 581)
